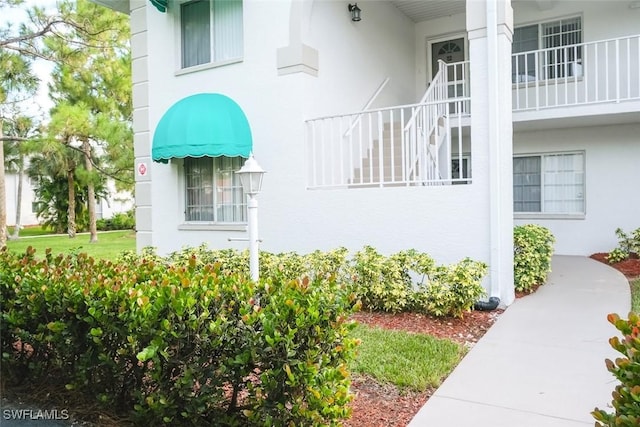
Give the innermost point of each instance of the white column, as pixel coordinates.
(141, 129)
(490, 29)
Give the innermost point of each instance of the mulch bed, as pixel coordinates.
(629, 267)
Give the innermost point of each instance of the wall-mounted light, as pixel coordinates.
(355, 12)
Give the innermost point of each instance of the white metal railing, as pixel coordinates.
(368, 105)
(396, 146)
(585, 73)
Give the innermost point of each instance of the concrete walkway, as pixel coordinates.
(542, 363)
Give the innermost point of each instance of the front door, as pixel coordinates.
(451, 51)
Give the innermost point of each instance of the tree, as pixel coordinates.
(16, 83)
(91, 90)
(74, 31)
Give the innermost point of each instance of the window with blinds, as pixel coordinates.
(555, 50)
(213, 190)
(211, 31)
(549, 183)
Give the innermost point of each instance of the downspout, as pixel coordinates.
(494, 146)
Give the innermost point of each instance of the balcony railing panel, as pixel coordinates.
(584, 73)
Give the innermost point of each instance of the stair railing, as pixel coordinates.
(423, 123)
(356, 120)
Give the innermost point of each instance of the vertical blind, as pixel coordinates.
(552, 183)
(196, 29)
(211, 31)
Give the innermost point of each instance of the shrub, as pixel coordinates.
(119, 221)
(382, 283)
(179, 344)
(387, 284)
(628, 245)
(626, 397)
(532, 251)
(453, 289)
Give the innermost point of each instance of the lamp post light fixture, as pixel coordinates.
(251, 179)
(355, 12)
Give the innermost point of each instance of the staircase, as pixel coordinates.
(383, 164)
(408, 145)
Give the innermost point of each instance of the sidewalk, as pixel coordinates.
(542, 363)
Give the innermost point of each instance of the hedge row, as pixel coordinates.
(405, 281)
(179, 345)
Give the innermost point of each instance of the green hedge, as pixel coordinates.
(179, 345)
(411, 281)
(119, 221)
(532, 251)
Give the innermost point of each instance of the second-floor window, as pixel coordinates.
(211, 31)
(548, 50)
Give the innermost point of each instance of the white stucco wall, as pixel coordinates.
(612, 167)
(449, 222)
(353, 59)
(27, 216)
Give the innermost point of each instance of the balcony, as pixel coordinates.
(424, 144)
(600, 72)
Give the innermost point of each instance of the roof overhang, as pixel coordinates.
(117, 5)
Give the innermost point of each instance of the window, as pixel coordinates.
(560, 54)
(466, 170)
(213, 191)
(211, 31)
(549, 183)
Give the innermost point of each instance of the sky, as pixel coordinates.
(40, 104)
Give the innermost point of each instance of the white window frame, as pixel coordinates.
(557, 68)
(542, 214)
(216, 223)
(466, 168)
(213, 63)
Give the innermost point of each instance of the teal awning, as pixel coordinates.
(202, 125)
(161, 5)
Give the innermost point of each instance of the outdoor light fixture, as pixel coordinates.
(355, 12)
(251, 176)
(251, 179)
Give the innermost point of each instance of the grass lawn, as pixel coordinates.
(412, 361)
(35, 230)
(109, 245)
(635, 295)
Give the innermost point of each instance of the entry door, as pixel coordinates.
(450, 51)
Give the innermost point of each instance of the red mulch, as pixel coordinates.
(382, 405)
(629, 267)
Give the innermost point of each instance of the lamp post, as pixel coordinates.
(251, 179)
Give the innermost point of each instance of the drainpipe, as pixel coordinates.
(494, 146)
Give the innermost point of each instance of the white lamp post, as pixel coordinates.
(251, 179)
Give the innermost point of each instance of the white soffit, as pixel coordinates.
(426, 10)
